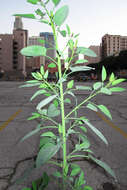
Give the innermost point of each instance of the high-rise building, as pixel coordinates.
(35, 62)
(18, 23)
(49, 44)
(34, 40)
(10, 46)
(97, 50)
(113, 44)
(20, 40)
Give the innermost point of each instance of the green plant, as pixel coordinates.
(53, 105)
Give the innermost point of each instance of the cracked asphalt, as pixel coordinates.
(15, 157)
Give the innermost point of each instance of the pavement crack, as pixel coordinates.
(9, 177)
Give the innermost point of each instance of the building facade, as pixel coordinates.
(6, 52)
(18, 23)
(49, 44)
(97, 50)
(112, 45)
(10, 46)
(35, 62)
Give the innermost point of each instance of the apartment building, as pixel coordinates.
(113, 44)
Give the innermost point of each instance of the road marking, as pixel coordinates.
(111, 124)
(9, 120)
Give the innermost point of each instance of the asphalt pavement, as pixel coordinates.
(15, 157)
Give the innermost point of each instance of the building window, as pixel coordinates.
(15, 67)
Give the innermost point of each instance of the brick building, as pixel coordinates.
(10, 45)
(113, 44)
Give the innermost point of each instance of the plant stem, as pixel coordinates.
(62, 108)
(79, 105)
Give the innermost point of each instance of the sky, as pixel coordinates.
(91, 18)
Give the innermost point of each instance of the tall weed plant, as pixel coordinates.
(57, 135)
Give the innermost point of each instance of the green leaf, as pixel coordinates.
(71, 44)
(42, 70)
(106, 91)
(33, 117)
(61, 15)
(71, 93)
(48, 134)
(33, 51)
(53, 111)
(57, 174)
(75, 171)
(30, 85)
(87, 187)
(63, 33)
(67, 100)
(103, 74)
(70, 84)
(56, 103)
(92, 107)
(117, 81)
(81, 179)
(45, 22)
(105, 110)
(112, 77)
(26, 188)
(44, 181)
(96, 131)
(37, 75)
(56, 2)
(52, 65)
(68, 29)
(83, 88)
(32, 1)
(43, 85)
(43, 112)
(46, 74)
(83, 128)
(32, 81)
(97, 85)
(30, 134)
(39, 12)
(117, 89)
(46, 153)
(80, 68)
(76, 35)
(103, 165)
(26, 15)
(34, 185)
(81, 61)
(86, 51)
(46, 140)
(45, 101)
(70, 131)
(85, 143)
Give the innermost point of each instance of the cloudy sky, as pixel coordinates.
(91, 18)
